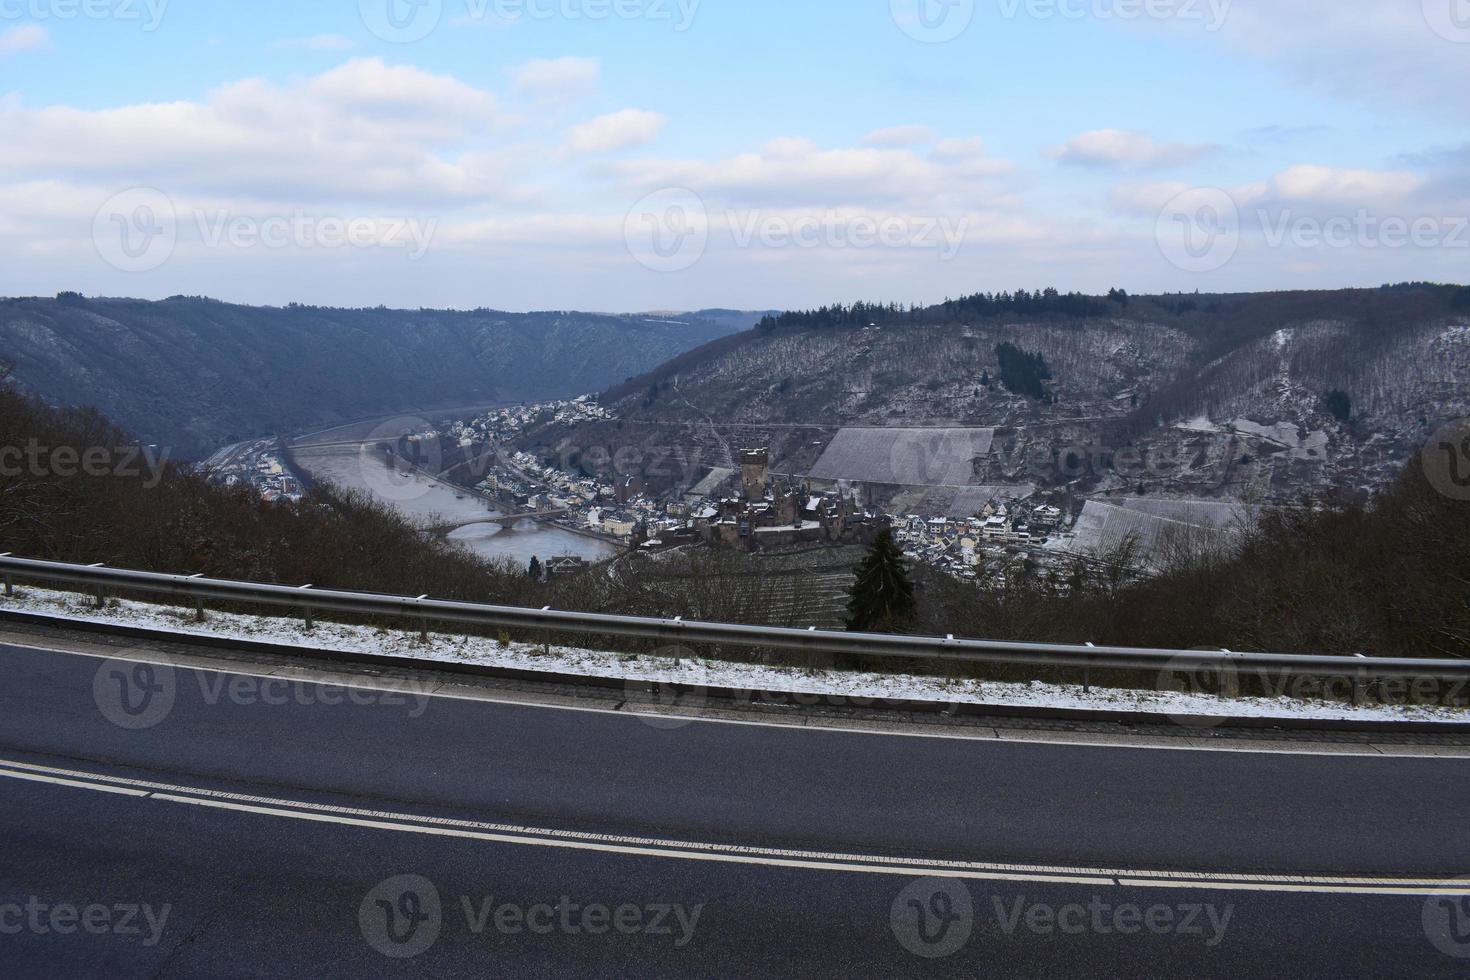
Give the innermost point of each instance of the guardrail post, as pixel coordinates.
(1229, 680)
(198, 601)
(1087, 675)
(306, 609)
(101, 595)
(9, 587)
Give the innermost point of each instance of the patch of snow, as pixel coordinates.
(1200, 424)
(854, 685)
(1312, 446)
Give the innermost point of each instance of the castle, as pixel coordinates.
(772, 515)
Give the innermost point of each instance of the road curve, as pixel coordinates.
(277, 822)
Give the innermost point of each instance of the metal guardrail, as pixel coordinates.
(423, 610)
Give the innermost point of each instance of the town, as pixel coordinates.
(260, 465)
(753, 510)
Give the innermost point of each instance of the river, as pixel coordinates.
(428, 503)
(530, 539)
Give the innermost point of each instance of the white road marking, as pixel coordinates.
(303, 674)
(76, 784)
(721, 853)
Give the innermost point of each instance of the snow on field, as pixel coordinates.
(905, 457)
(1199, 424)
(1155, 524)
(1311, 446)
(833, 686)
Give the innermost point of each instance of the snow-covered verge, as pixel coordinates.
(821, 686)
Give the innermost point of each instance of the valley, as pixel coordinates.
(1155, 427)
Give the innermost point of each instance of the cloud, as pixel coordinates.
(1310, 183)
(557, 78)
(27, 37)
(364, 129)
(1314, 188)
(899, 136)
(371, 138)
(616, 131)
(957, 176)
(1126, 149)
(319, 42)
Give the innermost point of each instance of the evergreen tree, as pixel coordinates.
(883, 595)
(1022, 372)
(535, 570)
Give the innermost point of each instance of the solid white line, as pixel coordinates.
(75, 784)
(1018, 737)
(726, 854)
(708, 856)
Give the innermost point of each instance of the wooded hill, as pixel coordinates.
(194, 374)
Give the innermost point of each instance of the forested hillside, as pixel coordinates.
(1147, 356)
(193, 374)
(1288, 391)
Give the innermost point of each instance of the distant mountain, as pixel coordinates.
(194, 373)
(1283, 391)
(735, 319)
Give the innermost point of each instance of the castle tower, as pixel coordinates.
(755, 473)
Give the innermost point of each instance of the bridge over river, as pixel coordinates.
(506, 521)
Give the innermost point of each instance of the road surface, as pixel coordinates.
(171, 822)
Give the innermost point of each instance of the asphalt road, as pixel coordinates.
(219, 827)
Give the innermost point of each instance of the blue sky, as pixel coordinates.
(673, 154)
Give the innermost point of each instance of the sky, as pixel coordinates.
(629, 155)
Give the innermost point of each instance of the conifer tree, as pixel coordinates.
(882, 597)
